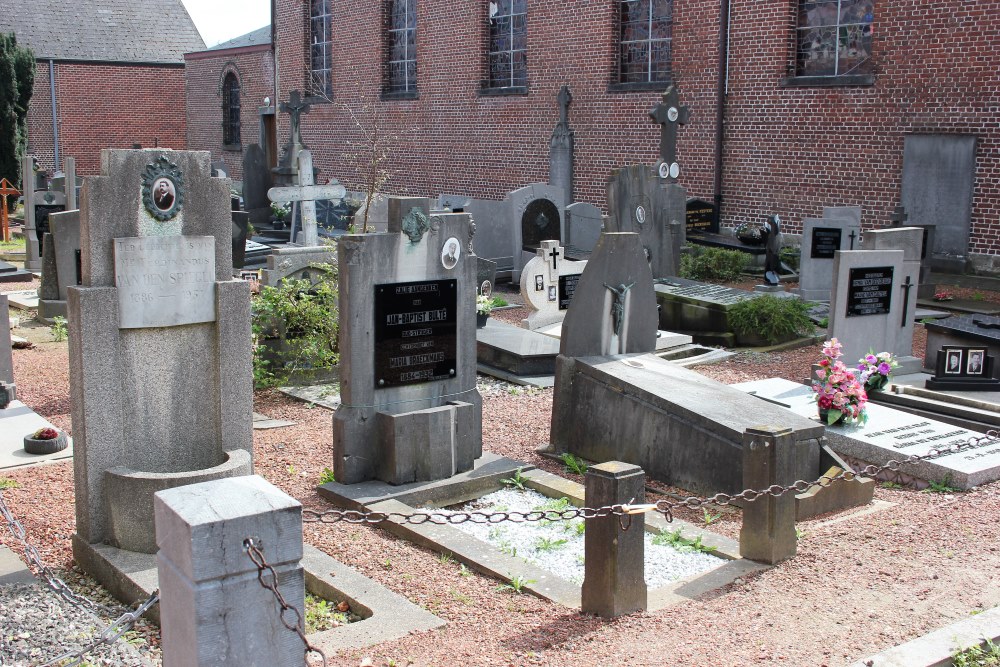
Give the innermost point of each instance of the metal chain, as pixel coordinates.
(624, 511)
(256, 554)
(41, 569)
(110, 635)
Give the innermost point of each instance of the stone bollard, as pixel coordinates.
(213, 610)
(614, 582)
(768, 532)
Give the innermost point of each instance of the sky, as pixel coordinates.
(221, 20)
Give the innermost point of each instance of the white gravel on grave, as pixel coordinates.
(564, 555)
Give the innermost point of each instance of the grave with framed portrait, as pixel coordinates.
(964, 352)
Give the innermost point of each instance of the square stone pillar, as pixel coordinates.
(614, 576)
(768, 531)
(213, 609)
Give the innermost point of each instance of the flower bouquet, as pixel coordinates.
(45, 440)
(876, 370)
(943, 295)
(484, 306)
(839, 394)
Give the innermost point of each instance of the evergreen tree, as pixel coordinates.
(17, 77)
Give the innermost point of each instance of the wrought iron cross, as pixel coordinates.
(852, 236)
(669, 114)
(555, 256)
(906, 299)
(899, 216)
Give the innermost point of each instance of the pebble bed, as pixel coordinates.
(557, 546)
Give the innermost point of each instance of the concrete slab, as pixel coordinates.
(12, 570)
(963, 306)
(541, 381)
(17, 421)
(514, 350)
(263, 422)
(326, 395)
(665, 340)
(24, 300)
(930, 314)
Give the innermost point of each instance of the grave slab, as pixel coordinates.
(548, 283)
(981, 330)
(17, 421)
(514, 350)
(699, 309)
(891, 434)
(13, 571)
(23, 300)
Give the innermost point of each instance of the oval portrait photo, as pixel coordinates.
(164, 193)
(450, 253)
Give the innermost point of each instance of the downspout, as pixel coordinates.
(720, 105)
(55, 115)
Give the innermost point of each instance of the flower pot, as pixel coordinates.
(824, 416)
(481, 319)
(876, 383)
(57, 444)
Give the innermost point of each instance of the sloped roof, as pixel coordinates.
(258, 36)
(142, 31)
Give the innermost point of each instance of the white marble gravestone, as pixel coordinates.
(548, 283)
(821, 238)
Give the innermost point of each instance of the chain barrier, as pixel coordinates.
(256, 554)
(109, 635)
(664, 506)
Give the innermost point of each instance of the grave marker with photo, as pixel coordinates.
(548, 283)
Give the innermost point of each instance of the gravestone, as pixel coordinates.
(287, 171)
(377, 212)
(65, 270)
(536, 212)
(893, 434)
(306, 194)
(256, 183)
(486, 272)
(852, 213)
(548, 283)
(410, 410)
(494, 228)
(973, 331)
(32, 251)
(821, 238)
(6, 356)
(584, 223)
(640, 201)
(241, 232)
(698, 309)
(900, 219)
(964, 368)
(866, 305)
(700, 217)
(910, 241)
(298, 263)
(160, 369)
(561, 148)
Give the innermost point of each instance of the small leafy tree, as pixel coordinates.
(17, 77)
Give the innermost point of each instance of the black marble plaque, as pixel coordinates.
(415, 332)
(540, 222)
(700, 216)
(869, 291)
(567, 286)
(825, 242)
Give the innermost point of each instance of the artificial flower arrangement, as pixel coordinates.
(45, 433)
(484, 304)
(876, 370)
(943, 295)
(838, 392)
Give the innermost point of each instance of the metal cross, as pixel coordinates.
(555, 256)
(899, 216)
(564, 98)
(906, 299)
(669, 114)
(852, 236)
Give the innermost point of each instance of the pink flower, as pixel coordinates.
(825, 402)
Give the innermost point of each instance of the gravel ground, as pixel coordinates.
(860, 582)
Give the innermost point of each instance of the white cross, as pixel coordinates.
(308, 193)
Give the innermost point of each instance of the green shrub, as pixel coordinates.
(713, 264)
(773, 319)
(295, 328)
(790, 255)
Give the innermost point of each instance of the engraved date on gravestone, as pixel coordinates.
(415, 332)
(825, 242)
(165, 281)
(869, 291)
(567, 287)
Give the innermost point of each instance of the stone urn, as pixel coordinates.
(33, 445)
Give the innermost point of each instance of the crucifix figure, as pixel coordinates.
(555, 256)
(669, 114)
(618, 305)
(906, 299)
(294, 107)
(899, 216)
(852, 236)
(307, 193)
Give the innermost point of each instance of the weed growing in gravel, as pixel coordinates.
(445, 558)
(322, 614)
(508, 548)
(978, 296)
(461, 597)
(387, 564)
(291, 469)
(464, 571)
(708, 518)
(58, 328)
(683, 544)
(799, 533)
(944, 486)
(978, 656)
(517, 481)
(891, 485)
(327, 476)
(515, 585)
(573, 464)
(8, 483)
(549, 544)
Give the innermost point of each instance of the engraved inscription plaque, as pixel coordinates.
(165, 281)
(869, 291)
(415, 332)
(567, 286)
(825, 242)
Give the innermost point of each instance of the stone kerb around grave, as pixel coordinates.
(160, 365)
(393, 425)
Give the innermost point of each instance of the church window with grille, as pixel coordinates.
(401, 47)
(834, 37)
(508, 43)
(320, 53)
(231, 110)
(645, 29)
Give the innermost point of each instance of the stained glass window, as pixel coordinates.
(401, 47)
(508, 45)
(645, 28)
(320, 48)
(231, 110)
(834, 37)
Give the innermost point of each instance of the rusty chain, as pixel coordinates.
(664, 506)
(256, 555)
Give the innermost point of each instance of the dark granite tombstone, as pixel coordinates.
(975, 331)
(241, 227)
(964, 368)
(539, 222)
(256, 183)
(700, 217)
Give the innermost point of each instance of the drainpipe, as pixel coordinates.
(55, 115)
(720, 106)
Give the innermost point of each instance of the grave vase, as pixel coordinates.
(46, 446)
(824, 414)
(481, 319)
(876, 383)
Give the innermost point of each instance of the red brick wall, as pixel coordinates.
(788, 150)
(106, 106)
(254, 67)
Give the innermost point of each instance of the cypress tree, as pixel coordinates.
(17, 77)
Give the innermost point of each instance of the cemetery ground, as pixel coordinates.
(862, 581)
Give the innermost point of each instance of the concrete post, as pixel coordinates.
(614, 582)
(32, 258)
(6, 357)
(768, 532)
(213, 610)
(70, 184)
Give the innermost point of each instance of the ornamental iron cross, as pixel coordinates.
(669, 114)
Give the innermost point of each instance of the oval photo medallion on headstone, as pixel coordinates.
(162, 189)
(486, 289)
(663, 169)
(450, 253)
(675, 170)
(640, 214)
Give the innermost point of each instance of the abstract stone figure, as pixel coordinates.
(771, 231)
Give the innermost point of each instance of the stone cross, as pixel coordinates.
(899, 216)
(564, 98)
(7, 189)
(70, 183)
(906, 287)
(308, 193)
(295, 107)
(669, 114)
